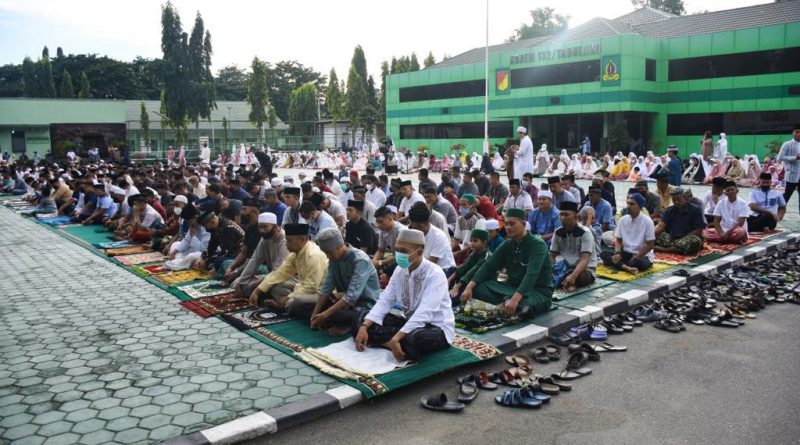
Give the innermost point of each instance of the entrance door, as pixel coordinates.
(18, 141)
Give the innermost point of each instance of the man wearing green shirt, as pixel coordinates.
(479, 245)
(528, 290)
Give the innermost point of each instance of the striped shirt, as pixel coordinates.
(788, 155)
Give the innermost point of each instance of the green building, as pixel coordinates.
(59, 125)
(639, 82)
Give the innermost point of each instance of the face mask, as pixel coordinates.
(178, 210)
(344, 187)
(464, 211)
(402, 259)
(370, 187)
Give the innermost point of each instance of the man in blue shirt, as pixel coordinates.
(544, 220)
(681, 227)
(350, 286)
(273, 205)
(603, 221)
(768, 206)
(104, 208)
(316, 219)
(674, 166)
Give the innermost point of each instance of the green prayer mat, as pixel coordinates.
(293, 337)
(560, 294)
(89, 234)
(707, 258)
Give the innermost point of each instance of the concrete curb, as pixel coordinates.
(341, 397)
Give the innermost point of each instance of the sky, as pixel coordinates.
(316, 33)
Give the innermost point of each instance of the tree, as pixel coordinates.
(303, 110)
(272, 118)
(545, 22)
(201, 97)
(231, 83)
(176, 90)
(393, 65)
(382, 103)
(59, 52)
(257, 95)
(356, 100)
(85, 90)
(144, 122)
(11, 81)
(413, 63)
(67, 91)
(675, 7)
(430, 60)
(224, 138)
(334, 97)
(359, 62)
(29, 78)
(44, 75)
(287, 76)
(371, 95)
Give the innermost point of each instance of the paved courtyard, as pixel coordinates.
(92, 354)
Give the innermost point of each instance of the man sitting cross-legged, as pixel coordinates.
(298, 279)
(681, 227)
(350, 286)
(730, 218)
(479, 252)
(419, 288)
(768, 206)
(634, 239)
(575, 244)
(528, 290)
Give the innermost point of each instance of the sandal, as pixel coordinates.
(563, 386)
(439, 402)
(553, 353)
(540, 355)
(467, 392)
(561, 338)
(518, 361)
(513, 399)
(608, 347)
(668, 325)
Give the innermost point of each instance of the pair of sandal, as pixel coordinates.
(672, 324)
(468, 390)
(534, 394)
(576, 365)
(546, 354)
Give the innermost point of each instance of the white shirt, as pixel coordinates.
(199, 191)
(635, 233)
(709, 204)
(377, 197)
(345, 196)
(437, 244)
(730, 212)
(423, 297)
(770, 201)
(406, 203)
(151, 216)
(336, 210)
(523, 162)
(521, 201)
(336, 188)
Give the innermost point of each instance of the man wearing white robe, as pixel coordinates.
(523, 162)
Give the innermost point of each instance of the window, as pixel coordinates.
(747, 123)
(650, 70)
(562, 74)
(453, 90)
(463, 130)
(739, 64)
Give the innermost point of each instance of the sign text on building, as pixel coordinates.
(554, 54)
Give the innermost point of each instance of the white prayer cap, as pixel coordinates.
(117, 190)
(326, 194)
(315, 189)
(522, 129)
(288, 178)
(411, 236)
(181, 198)
(267, 218)
(491, 224)
(344, 179)
(329, 239)
(722, 135)
(302, 174)
(546, 194)
(392, 209)
(276, 182)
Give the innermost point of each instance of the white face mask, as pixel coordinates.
(178, 210)
(370, 187)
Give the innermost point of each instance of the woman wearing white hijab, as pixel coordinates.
(643, 171)
(575, 166)
(721, 147)
(542, 160)
(589, 167)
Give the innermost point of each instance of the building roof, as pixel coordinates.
(649, 22)
(237, 115)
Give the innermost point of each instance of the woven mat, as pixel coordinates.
(140, 258)
(205, 289)
(218, 304)
(619, 275)
(180, 277)
(144, 271)
(676, 258)
(128, 250)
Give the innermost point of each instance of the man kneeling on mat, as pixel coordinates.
(634, 239)
(298, 278)
(528, 290)
(575, 244)
(350, 286)
(419, 288)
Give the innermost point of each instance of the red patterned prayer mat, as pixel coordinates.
(218, 304)
(676, 258)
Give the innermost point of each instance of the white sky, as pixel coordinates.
(317, 33)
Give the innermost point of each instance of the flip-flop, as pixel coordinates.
(563, 386)
(576, 364)
(467, 392)
(668, 325)
(547, 388)
(439, 402)
(717, 321)
(518, 361)
(561, 338)
(540, 355)
(681, 273)
(553, 353)
(608, 347)
(591, 354)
